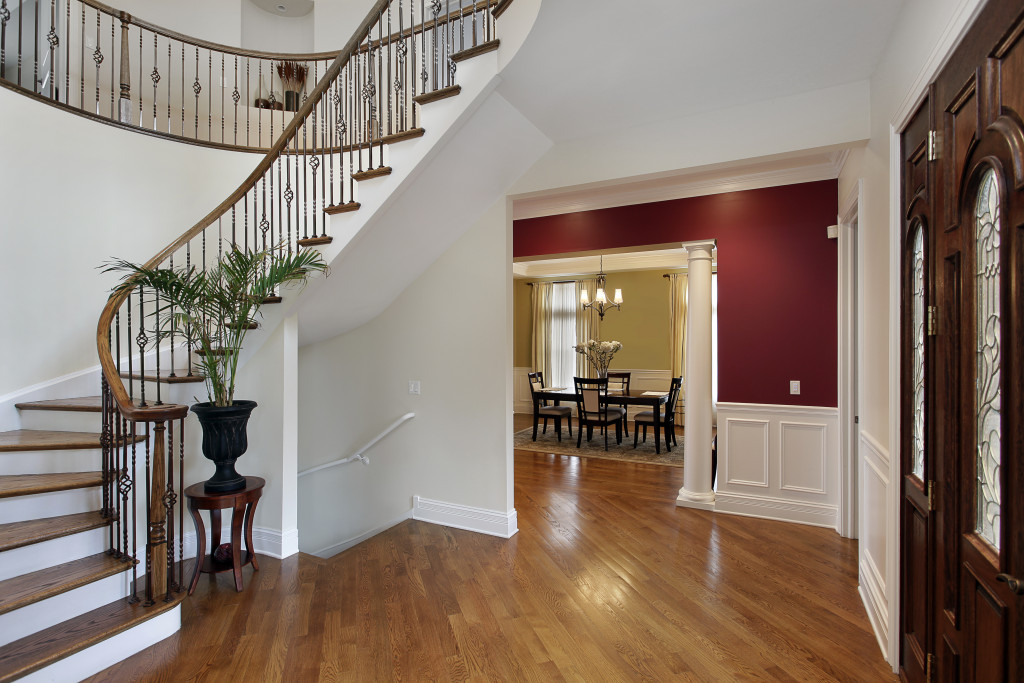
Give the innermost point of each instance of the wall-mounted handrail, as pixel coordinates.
(359, 454)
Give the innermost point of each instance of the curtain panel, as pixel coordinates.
(541, 347)
(588, 326)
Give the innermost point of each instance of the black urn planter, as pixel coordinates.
(224, 440)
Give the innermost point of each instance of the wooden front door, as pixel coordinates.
(962, 333)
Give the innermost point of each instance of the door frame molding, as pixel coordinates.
(960, 21)
(850, 319)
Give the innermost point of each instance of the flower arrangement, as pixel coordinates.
(599, 353)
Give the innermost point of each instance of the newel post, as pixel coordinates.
(156, 541)
(125, 102)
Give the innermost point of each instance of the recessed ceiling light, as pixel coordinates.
(282, 8)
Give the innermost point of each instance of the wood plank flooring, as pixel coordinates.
(607, 580)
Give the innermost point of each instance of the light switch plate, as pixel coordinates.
(794, 386)
(414, 386)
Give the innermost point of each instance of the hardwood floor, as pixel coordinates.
(607, 580)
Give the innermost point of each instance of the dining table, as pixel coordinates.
(652, 399)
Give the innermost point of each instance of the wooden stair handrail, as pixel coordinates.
(109, 368)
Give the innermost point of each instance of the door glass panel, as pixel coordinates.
(917, 322)
(988, 394)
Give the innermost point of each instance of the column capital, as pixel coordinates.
(699, 249)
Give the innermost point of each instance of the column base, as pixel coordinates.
(699, 501)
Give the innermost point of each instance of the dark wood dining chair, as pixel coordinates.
(594, 411)
(618, 384)
(543, 411)
(668, 421)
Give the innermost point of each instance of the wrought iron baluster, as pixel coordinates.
(181, 508)
(289, 194)
(67, 53)
(5, 16)
(378, 123)
(169, 79)
(170, 498)
(113, 70)
(141, 341)
(97, 57)
(81, 72)
(53, 40)
(305, 184)
(387, 82)
(197, 88)
(155, 77)
(209, 95)
(35, 47)
(259, 110)
(183, 90)
(222, 97)
(248, 101)
(172, 333)
(128, 345)
(130, 520)
(149, 530)
(142, 111)
(314, 163)
(235, 96)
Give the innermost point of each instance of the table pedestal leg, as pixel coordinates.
(200, 547)
(249, 513)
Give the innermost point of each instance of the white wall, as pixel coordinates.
(76, 194)
(268, 32)
(334, 21)
(833, 117)
(218, 21)
(448, 330)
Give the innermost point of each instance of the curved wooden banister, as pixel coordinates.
(109, 368)
(206, 44)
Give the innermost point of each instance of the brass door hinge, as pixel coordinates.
(929, 667)
(934, 145)
(931, 494)
(933, 321)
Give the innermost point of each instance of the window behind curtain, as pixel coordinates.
(563, 335)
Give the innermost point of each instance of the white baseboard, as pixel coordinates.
(334, 549)
(874, 604)
(480, 520)
(271, 542)
(779, 509)
(106, 653)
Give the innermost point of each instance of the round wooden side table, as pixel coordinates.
(243, 505)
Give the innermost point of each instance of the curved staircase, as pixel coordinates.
(91, 523)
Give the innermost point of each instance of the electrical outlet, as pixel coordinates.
(414, 386)
(794, 386)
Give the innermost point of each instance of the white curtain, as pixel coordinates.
(563, 335)
(677, 323)
(587, 325)
(714, 349)
(541, 354)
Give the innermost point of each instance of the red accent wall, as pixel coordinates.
(777, 278)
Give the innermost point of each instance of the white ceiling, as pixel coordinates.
(674, 58)
(285, 8)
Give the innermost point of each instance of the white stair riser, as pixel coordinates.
(61, 420)
(46, 613)
(31, 558)
(51, 462)
(24, 508)
(94, 659)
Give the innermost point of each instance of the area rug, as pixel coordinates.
(644, 452)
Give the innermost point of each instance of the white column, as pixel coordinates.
(696, 491)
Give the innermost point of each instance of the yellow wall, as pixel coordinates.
(641, 325)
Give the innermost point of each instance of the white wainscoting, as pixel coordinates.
(877, 524)
(779, 462)
(640, 380)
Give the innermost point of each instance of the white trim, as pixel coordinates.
(480, 520)
(780, 509)
(821, 429)
(850, 363)
(765, 424)
(108, 652)
(334, 549)
(659, 187)
(271, 542)
(777, 408)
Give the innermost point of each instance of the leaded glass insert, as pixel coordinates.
(988, 394)
(917, 361)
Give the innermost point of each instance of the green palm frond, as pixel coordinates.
(210, 309)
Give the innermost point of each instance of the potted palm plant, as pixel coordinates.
(212, 310)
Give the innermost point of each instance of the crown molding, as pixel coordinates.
(666, 187)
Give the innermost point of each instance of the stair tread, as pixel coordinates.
(46, 583)
(84, 404)
(372, 173)
(183, 378)
(45, 647)
(476, 51)
(44, 440)
(29, 484)
(18, 534)
(439, 94)
(341, 208)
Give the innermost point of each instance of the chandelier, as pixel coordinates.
(600, 303)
